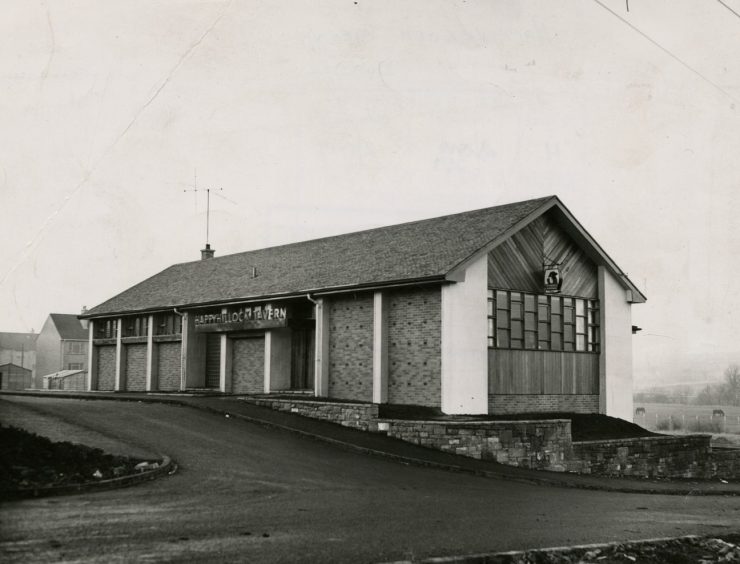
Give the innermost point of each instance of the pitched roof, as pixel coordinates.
(15, 368)
(425, 250)
(18, 341)
(62, 374)
(69, 326)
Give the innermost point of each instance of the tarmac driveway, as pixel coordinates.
(252, 494)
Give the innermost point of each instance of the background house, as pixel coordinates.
(14, 377)
(61, 345)
(18, 349)
(66, 380)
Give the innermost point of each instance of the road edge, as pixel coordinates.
(542, 554)
(557, 480)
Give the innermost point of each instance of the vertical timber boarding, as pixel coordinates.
(213, 360)
(517, 265)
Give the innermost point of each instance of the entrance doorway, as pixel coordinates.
(213, 360)
(302, 358)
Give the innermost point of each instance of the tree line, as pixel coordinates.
(726, 392)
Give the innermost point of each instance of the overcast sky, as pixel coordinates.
(321, 117)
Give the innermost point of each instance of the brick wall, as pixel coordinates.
(168, 365)
(106, 368)
(414, 347)
(136, 367)
(248, 366)
(351, 347)
(361, 416)
(542, 403)
(542, 444)
(76, 382)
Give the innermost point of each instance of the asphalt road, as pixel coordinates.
(250, 494)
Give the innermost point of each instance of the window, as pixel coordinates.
(167, 324)
(135, 326)
(517, 320)
(74, 366)
(106, 329)
(75, 347)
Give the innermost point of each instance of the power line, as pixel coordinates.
(729, 8)
(667, 52)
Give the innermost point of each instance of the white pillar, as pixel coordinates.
(321, 372)
(465, 342)
(380, 348)
(186, 341)
(151, 357)
(225, 367)
(615, 360)
(120, 383)
(268, 360)
(92, 359)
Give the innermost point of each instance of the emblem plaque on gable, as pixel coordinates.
(553, 279)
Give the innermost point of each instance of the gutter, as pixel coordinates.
(428, 280)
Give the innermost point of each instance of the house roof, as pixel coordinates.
(62, 374)
(427, 250)
(18, 341)
(69, 327)
(14, 367)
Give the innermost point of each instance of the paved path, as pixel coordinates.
(249, 493)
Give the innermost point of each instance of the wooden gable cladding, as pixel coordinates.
(517, 263)
(542, 372)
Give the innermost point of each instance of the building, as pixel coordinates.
(70, 380)
(507, 309)
(61, 345)
(14, 377)
(18, 349)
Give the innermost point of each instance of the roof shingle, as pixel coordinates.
(409, 251)
(69, 326)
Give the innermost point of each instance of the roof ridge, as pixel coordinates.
(370, 230)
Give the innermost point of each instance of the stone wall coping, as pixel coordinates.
(474, 423)
(134, 340)
(636, 440)
(167, 338)
(316, 403)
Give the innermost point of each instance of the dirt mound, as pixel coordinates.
(30, 461)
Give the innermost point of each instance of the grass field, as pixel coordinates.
(688, 418)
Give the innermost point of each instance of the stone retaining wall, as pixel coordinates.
(539, 444)
(725, 463)
(362, 416)
(543, 444)
(688, 456)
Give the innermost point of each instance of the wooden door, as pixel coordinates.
(213, 360)
(302, 361)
